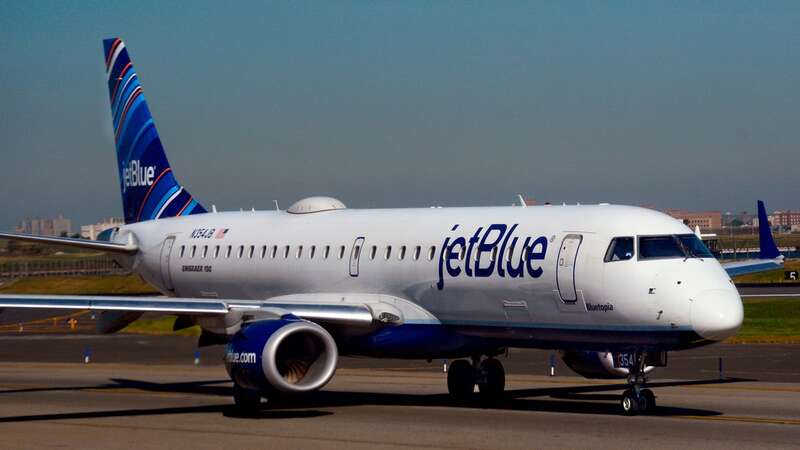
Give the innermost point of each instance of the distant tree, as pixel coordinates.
(736, 223)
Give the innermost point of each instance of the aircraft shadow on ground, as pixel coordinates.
(591, 399)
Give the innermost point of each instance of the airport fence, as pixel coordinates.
(95, 265)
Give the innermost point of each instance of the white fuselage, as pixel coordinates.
(561, 289)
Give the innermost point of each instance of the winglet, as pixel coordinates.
(768, 248)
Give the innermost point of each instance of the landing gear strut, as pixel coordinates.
(247, 401)
(636, 399)
(488, 374)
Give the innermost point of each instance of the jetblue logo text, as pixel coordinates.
(493, 250)
(240, 358)
(134, 175)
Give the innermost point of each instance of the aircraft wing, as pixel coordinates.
(344, 313)
(127, 248)
(752, 266)
(769, 257)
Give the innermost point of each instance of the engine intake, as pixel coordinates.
(287, 355)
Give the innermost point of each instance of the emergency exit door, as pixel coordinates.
(355, 255)
(565, 272)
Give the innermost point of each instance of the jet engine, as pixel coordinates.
(599, 364)
(287, 355)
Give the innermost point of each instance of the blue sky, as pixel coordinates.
(392, 104)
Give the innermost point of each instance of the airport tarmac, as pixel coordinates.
(161, 399)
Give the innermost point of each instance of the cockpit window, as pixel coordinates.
(620, 249)
(672, 246)
(694, 247)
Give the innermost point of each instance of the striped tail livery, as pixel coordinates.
(149, 189)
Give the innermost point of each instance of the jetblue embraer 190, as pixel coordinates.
(613, 288)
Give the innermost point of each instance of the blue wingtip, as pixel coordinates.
(768, 248)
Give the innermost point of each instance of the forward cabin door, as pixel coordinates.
(567, 256)
(355, 255)
(166, 250)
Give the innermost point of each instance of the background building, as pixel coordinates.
(60, 226)
(91, 231)
(706, 220)
(784, 219)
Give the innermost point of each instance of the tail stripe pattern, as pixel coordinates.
(148, 185)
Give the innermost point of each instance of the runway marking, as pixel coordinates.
(744, 388)
(767, 420)
(769, 295)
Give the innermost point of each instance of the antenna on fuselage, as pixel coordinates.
(214, 209)
(276, 205)
(521, 201)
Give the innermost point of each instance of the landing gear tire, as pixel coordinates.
(247, 401)
(460, 379)
(630, 403)
(492, 379)
(649, 400)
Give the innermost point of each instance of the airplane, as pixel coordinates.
(613, 288)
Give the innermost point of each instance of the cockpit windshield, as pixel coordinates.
(672, 246)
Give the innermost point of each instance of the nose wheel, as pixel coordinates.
(488, 374)
(637, 399)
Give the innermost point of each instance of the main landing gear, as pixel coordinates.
(247, 401)
(462, 376)
(636, 399)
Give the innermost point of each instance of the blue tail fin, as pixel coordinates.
(149, 189)
(768, 248)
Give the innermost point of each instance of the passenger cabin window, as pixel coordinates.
(417, 251)
(194, 250)
(228, 252)
(241, 251)
(672, 246)
(372, 252)
(327, 252)
(216, 252)
(431, 252)
(299, 251)
(205, 251)
(312, 251)
(263, 251)
(341, 252)
(402, 254)
(286, 252)
(251, 252)
(183, 250)
(620, 249)
(388, 252)
(274, 251)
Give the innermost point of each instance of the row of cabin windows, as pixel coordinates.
(275, 251)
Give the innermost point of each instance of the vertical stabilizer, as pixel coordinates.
(768, 248)
(149, 189)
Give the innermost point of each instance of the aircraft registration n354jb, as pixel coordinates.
(612, 287)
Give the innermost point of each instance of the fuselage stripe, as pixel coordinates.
(147, 195)
(163, 206)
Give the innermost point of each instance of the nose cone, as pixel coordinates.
(717, 314)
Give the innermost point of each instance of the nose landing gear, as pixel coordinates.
(488, 374)
(637, 399)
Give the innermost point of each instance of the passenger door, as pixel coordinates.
(565, 272)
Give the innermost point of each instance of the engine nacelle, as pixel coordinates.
(287, 355)
(597, 364)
